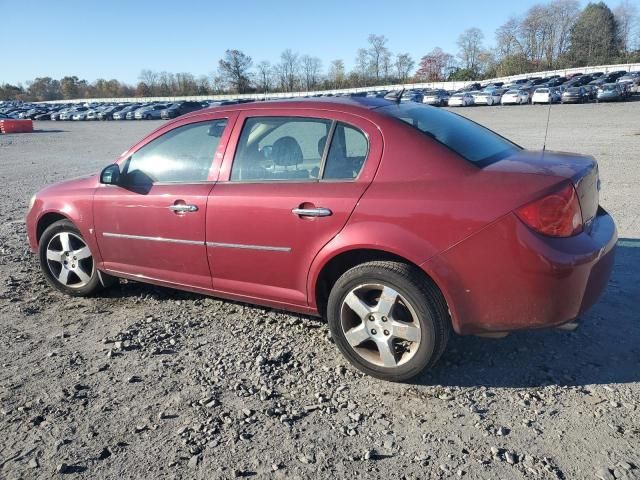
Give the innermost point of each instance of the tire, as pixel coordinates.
(416, 298)
(79, 280)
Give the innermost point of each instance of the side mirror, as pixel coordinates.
(110, 175)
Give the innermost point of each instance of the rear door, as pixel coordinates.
(289, 182)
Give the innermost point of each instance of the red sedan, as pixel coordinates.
(396, 222)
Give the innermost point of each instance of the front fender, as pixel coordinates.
(76, 205)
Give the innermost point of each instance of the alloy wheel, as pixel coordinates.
(69, 260)
(380, 325)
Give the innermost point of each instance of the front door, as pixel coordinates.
(152, 224)
(288, 189)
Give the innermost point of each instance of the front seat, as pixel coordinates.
(286, 153)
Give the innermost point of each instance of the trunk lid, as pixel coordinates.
(581, 170)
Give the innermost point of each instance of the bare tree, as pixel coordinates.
(470, 45)
(150, 79)
(564, 13)
(265, 76)
(311, 67)
(362, 64)
(235, 68)
(289, 68)
(336, 73)
(378, 54)
(626, 14)
(404, 65)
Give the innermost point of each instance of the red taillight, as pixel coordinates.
(556, 215)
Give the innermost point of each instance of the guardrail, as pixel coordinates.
(630, 67)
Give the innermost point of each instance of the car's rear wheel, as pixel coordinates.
(388, 319)
(67, 261)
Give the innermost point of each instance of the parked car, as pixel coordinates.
(545, 95)
(515, 97)
(613, 76)
(107, 113)
(486, 97)
(632, 80)
(412, 96)
(574, 95)
(610, 92)
(590, 91)
(80, 114)
(461, 99)
(151, 112)
(394, 255)
(122, 114)
(180, 108)
(439, 98)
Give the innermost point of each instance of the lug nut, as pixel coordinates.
(74, 258)
(371, 317)
(384, 319)
(386, 332)
(373, 332)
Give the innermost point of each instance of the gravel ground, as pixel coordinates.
(145, 382)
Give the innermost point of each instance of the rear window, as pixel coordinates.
(468, 139)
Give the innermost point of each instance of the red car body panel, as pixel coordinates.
(414, 198)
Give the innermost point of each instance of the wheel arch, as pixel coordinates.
(338, 263)
(47, 220)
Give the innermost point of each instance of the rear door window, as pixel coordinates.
(280, 148)
(347, 153)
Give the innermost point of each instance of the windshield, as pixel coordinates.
(468, 139)
(542, 90)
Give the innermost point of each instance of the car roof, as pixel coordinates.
(345, 104)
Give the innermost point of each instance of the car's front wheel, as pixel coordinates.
(388, 319)
(67, 261)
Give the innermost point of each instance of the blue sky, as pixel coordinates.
(118, 38)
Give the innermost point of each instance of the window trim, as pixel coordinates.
(126, 161)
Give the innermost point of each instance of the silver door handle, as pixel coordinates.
(312, 212)
(183, 208)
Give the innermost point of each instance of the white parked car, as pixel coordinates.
(545, 95)
(461, 99)
(515, 97)
(486, 97)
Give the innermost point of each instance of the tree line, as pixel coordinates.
(552, 35)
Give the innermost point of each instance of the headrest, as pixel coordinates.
(286, 152)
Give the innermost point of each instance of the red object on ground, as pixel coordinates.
(16, 126)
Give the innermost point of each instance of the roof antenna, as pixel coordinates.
(546, 130)
(395, 96)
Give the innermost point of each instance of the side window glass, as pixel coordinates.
(182, 155)
(280, 148)
(348, 151)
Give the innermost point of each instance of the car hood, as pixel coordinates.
(72, 185)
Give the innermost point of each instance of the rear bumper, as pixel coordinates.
(508, 277)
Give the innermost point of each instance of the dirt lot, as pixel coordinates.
(144, 382)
